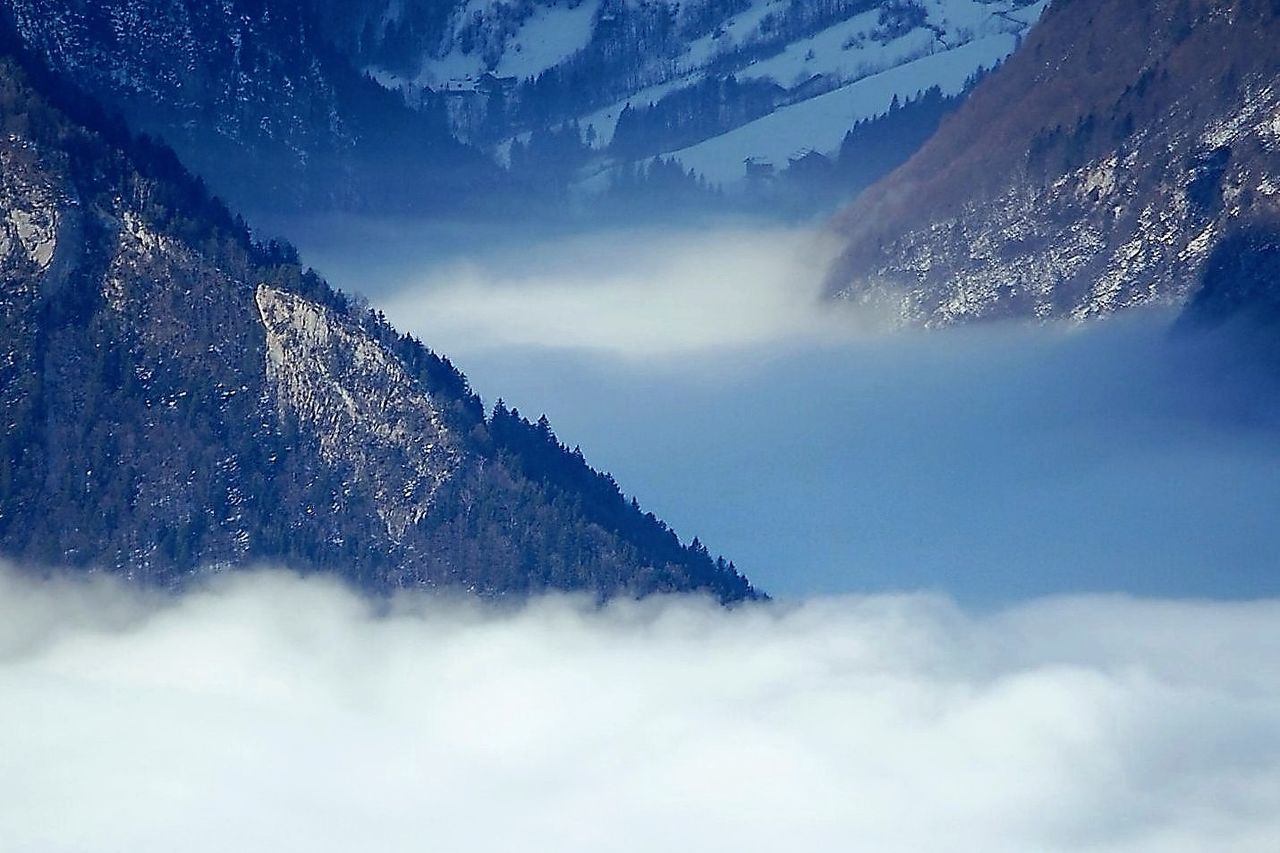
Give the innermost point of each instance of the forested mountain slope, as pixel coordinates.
(177, 397)
(275, 103)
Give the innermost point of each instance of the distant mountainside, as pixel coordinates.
(275, 104)
(712, 83)
(252, 97)
(177, 397)
(1114, 161)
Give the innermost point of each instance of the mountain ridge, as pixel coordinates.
(179, 397)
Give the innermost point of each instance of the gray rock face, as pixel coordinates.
(366, 414)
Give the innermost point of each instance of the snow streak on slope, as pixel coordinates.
(857, 70)
(546, 38)
(820, 123)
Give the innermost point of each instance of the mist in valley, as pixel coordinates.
(1020, 587)
(1023, 594)
(825, 451)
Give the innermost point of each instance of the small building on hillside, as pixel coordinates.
(759, 169)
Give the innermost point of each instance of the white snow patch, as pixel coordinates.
(820, 124)
(37, 233)
(548, 38)
(545, 39)
(831, 53)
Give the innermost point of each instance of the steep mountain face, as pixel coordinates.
(716, 83)
(253, 99)
(177, 397)
(1103, 167)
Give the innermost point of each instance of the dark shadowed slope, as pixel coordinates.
(177, 397)
(1097, 170)
(254, 100)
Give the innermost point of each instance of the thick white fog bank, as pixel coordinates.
(269, 713)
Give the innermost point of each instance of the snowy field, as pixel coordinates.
(863, 65)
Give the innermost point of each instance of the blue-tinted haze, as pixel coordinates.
(993, 464)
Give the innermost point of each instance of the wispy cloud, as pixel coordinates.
(631, 293)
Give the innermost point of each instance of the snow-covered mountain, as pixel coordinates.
(1105, 166)
(717, 84)
(415, 104)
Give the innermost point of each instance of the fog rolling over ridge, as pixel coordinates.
(824, 452)
(267, 712)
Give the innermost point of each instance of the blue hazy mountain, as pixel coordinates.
(484, 108)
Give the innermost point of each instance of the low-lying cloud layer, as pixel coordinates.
(631, 294)
(271, 713)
